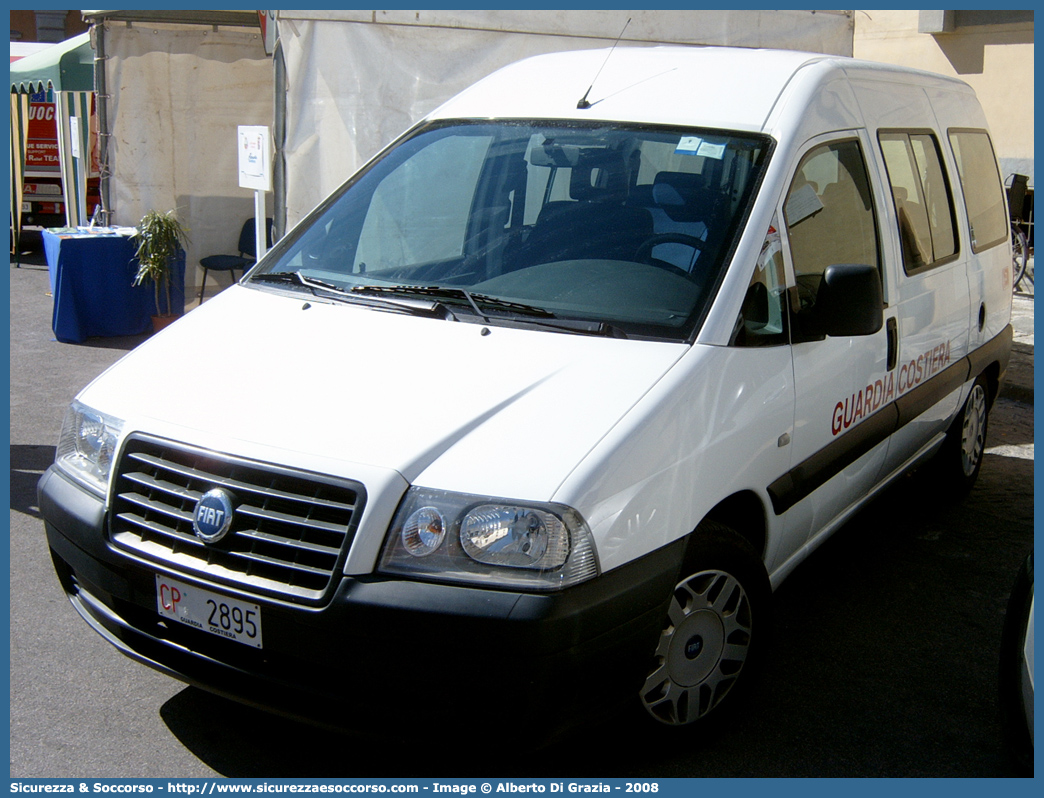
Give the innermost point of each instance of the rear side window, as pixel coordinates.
(981, 187)
(921, 194)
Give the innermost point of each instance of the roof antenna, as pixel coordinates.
(584, 104)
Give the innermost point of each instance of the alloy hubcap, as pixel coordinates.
(701, 650)
(973, 434)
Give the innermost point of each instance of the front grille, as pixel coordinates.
(290, 530)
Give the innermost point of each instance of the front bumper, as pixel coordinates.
(382, 651)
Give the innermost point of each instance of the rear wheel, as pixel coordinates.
(962, 452)
(714, 629)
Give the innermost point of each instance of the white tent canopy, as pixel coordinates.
(179, 83)
(356, 79)
(67, 71)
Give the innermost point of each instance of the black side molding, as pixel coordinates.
(813, 473)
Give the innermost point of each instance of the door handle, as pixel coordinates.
(893, 343)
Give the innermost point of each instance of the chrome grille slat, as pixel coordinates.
(253, 533)
(159, 529)
(290, 530)
(302, 568)
(232, 483)
(262, 513)
(165, 509)
(169, 487)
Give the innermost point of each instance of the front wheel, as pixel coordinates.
(714, 629)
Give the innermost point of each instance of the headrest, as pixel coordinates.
(682, 196)
(599, 176)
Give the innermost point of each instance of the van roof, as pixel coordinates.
(727, 87)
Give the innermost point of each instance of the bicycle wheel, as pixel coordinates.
(1019, 256)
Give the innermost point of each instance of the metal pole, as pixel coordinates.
(279, 140)
(260, 225)
(102, 107)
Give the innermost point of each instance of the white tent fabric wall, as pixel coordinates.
(182, 92)
(343, 111)
(357, 79)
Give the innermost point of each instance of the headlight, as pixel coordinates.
(460, 538)
(87, 446)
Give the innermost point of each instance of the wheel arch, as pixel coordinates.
(992, 375)
(718, 621)
(744, 513)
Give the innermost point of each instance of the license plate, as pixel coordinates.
(219, 615)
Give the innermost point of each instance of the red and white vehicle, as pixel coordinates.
(43, 201)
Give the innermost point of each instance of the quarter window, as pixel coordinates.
(763, 318)
(981, 187)
(921, 195)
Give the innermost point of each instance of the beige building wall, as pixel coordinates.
(991, 51)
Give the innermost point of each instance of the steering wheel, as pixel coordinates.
(644, 251)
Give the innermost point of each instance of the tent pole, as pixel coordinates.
(102, 107)
(19, 139)
(65, 157)
(279, 140)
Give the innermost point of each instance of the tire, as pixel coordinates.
(1019, 256)
(965, 444)
(714, 631)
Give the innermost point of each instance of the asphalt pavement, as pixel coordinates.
(883, 662)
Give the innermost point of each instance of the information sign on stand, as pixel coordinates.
(255, 172)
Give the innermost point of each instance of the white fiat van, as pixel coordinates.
(534, 412)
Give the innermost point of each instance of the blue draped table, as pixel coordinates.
(92, 276)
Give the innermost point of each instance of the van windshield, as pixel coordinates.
(622, 227)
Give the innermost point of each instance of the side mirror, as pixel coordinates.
(850, 301)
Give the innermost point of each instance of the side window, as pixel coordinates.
(763, 318)
(829, 215)
(921, 194)
(981, 187)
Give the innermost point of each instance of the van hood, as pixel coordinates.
(457, 406)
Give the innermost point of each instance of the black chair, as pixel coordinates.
(1017, 196)
(243, 261)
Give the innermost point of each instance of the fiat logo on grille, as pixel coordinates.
(213, 516)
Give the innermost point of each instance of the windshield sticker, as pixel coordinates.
(694, 145)
(770, 249)
(709, 150)
(853, 409)
(689, 145)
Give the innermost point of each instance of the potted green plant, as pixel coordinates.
(160, 238)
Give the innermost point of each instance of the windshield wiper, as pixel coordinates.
(382, 296)
(581, 326)
(295, 278)
(476, 301)
(321, 288)
(523, 314)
